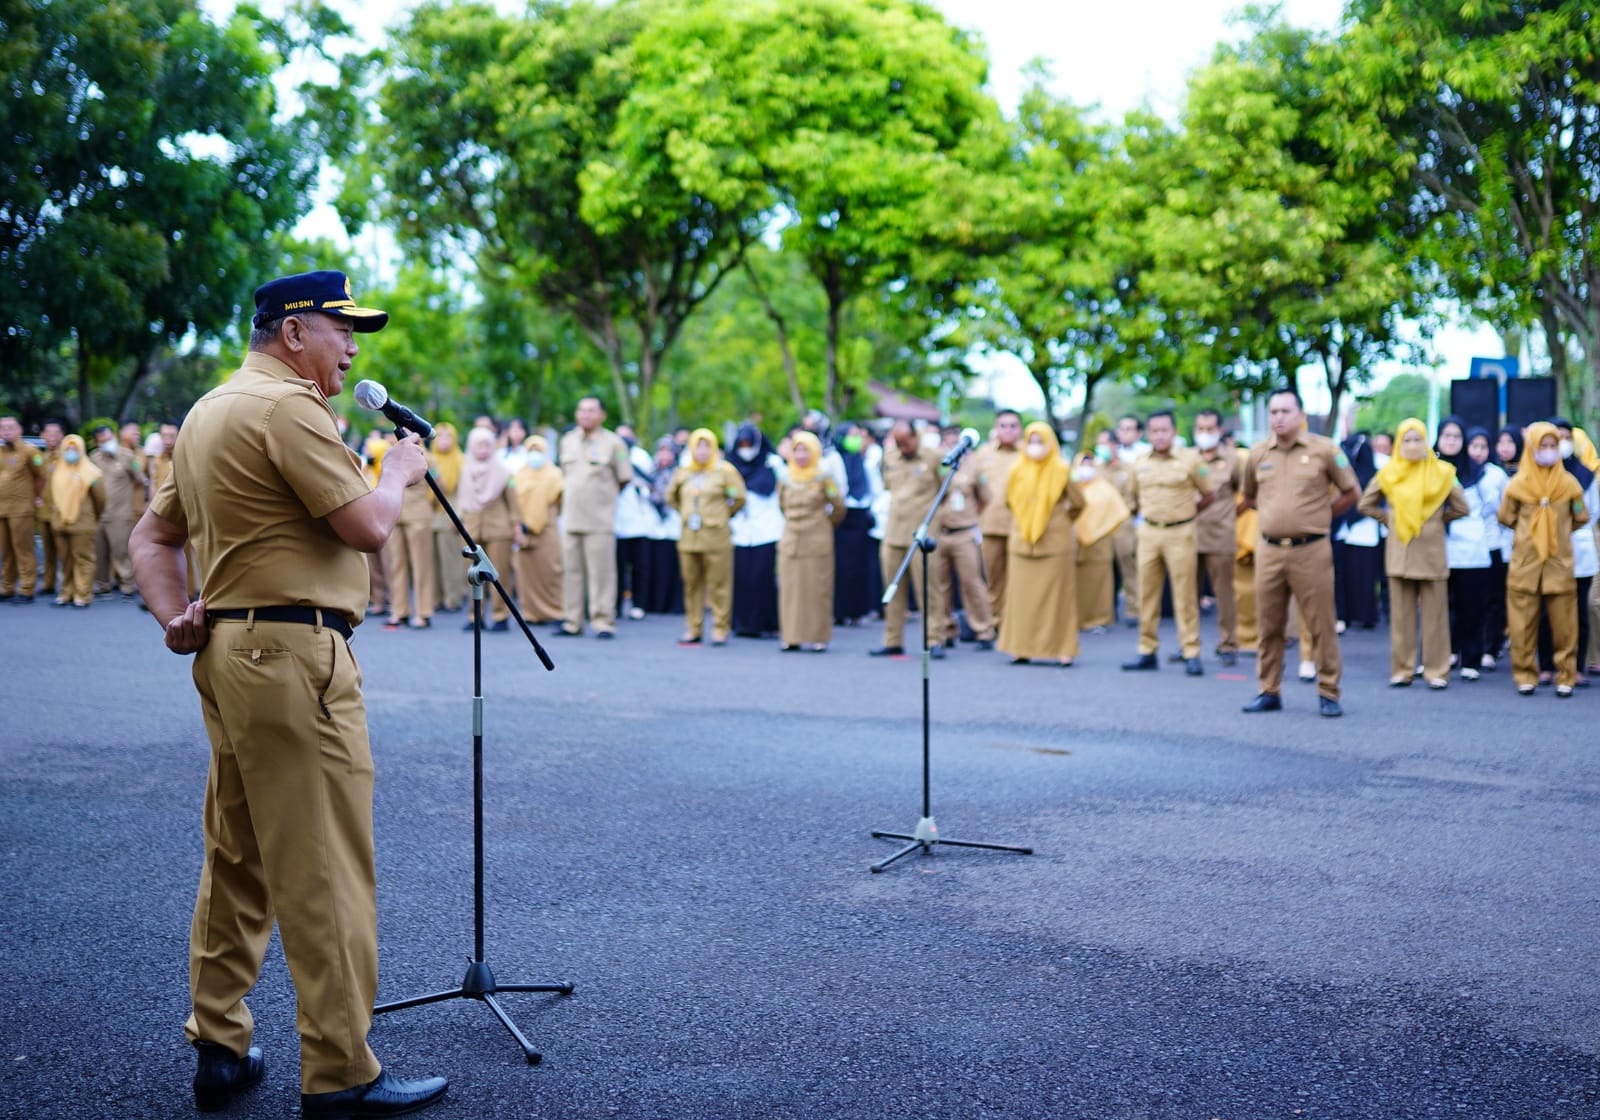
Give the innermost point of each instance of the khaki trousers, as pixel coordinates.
(1306, 574)
(959, 560)
(1126, 542)
(1097, 599)
(1426, 601)
(1593, 655)
(707, 581)
(1168, 554)
(994, 574)
(111, 559)
(19, 571)
(589, 580)
(408, 558)
(1219, 569)
(538, 564)
(288, 836)
(932, 600)
(499, 553)
(449, 575)
(1244, 601)
(50, 578)
(77, 565)
(1522, 622)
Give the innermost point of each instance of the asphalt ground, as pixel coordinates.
(1226, 916)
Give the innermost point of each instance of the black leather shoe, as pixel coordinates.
(1228, 658)
(1143, 661)
(886, 651)
(221, 1073)
(1265, 702)
(1329, 707)
(1176, 658)
(936, 653)
(499, 627)
(386, 1096)
(985, 643)
(1194, 668)
(563, 632)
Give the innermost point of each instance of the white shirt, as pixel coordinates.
(760, 521)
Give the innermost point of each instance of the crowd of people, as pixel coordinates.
(1471, 544)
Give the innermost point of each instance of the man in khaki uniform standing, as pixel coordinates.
(958, 559)
(122, 477)
(22, 475)
(993, 462)
(1118, 471)
(1288, 480)
(133, 441)
(911, 476)
(52, 434)
(280, 515)
(1215, 528)
(1170, 488)
(594, 462)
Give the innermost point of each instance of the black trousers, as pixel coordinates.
(1357, 576)
(755, 590)
(1471, 593)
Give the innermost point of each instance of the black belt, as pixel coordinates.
(1167, 524)
(308, 616)
(1292, 542)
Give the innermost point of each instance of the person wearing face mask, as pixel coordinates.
(756, 529)
(1104, 512)
(1214, 528)
(706, 491)
(121, 476)
(22, 479)
(1544, 504)
(663, 582)
(1415, 495)
(1472, 543)
(445, 459)
(857, 577)
(636, 517)
(959, 556)
(1041, 613)
(484, 501)
(1170, 487)
(911, 476)
(536, 489)
(1575, 450)
(993, 462)
(51, 434)
(77, 498)
(812, 506)
(1126, 448)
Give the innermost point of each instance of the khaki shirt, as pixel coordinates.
(960, 509)
(160, 467)
(259, 468)
(1293, 490)
(994, 464)
(122, 476)
(1120, 475)
(707, 501)
(1167, 487)
(1215, 527)
(911, 483)
(596, 469)
(810, 511)
(1424, 555)
(1525, 572)
(22, 472)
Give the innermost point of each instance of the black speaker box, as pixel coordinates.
(1529, 399)
(1477, 401)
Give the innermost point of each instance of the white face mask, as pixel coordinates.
(1205, 441)
(1565, 448)
(748, 453)
(1085, 473)
(109, 447)
(1546, 458)
(536, 459)
(1127, 454)
(1037, 451)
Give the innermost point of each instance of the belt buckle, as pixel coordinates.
(1285, 542)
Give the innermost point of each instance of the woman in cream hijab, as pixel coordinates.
(483, 499)
(1040, 619)
(77, 499)
(537, 488)
(812, 506)
(1415, 494)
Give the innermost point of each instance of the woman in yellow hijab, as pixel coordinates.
(1415, 494)
(445, 459)
(811, 505)
(537, 488)
(1543, 504)
(1040, 616)
(77, 498)
(706, 492)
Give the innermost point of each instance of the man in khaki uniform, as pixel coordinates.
(133, 440)
(1129, 446)
(1288, 480)
(1215, 528)
(52, 434)
(993, 462)
(280, 515)
(911, 476)
(959, 559)
(594, 462)
(22, 475)
(122, 476)
(159, 467)
(1170, 487)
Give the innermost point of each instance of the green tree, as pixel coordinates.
(1405, 395)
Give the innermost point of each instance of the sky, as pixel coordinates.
(1116, 54)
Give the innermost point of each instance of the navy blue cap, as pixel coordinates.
(326, 291)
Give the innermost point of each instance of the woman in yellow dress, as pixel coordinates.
(812, 506)
(537, 489)
(1040, 619)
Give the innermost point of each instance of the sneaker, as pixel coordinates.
(1308, 670)
(1469, 674)
(1487, 662)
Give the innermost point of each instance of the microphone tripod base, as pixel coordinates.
(926, 835)
(479, 984)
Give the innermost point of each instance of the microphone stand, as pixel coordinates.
(926, 834)
(479, 982)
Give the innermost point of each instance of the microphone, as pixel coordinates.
(969, 440)
(369, 394)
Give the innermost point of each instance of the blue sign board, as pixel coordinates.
(1500, 369)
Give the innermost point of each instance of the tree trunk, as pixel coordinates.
(1091, 382)
(833, 289)
(1555, 343)
(649, 363)
(790, 370)
(1041, 377)
(85, 390)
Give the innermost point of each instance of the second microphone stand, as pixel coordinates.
(479, 982)
(926, 834)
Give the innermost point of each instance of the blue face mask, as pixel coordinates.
(70, 456)
(536, 459)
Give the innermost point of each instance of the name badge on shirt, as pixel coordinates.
(958, 502)
(693, 523)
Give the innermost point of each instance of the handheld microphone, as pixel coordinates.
(369, 394)
(969, 440)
